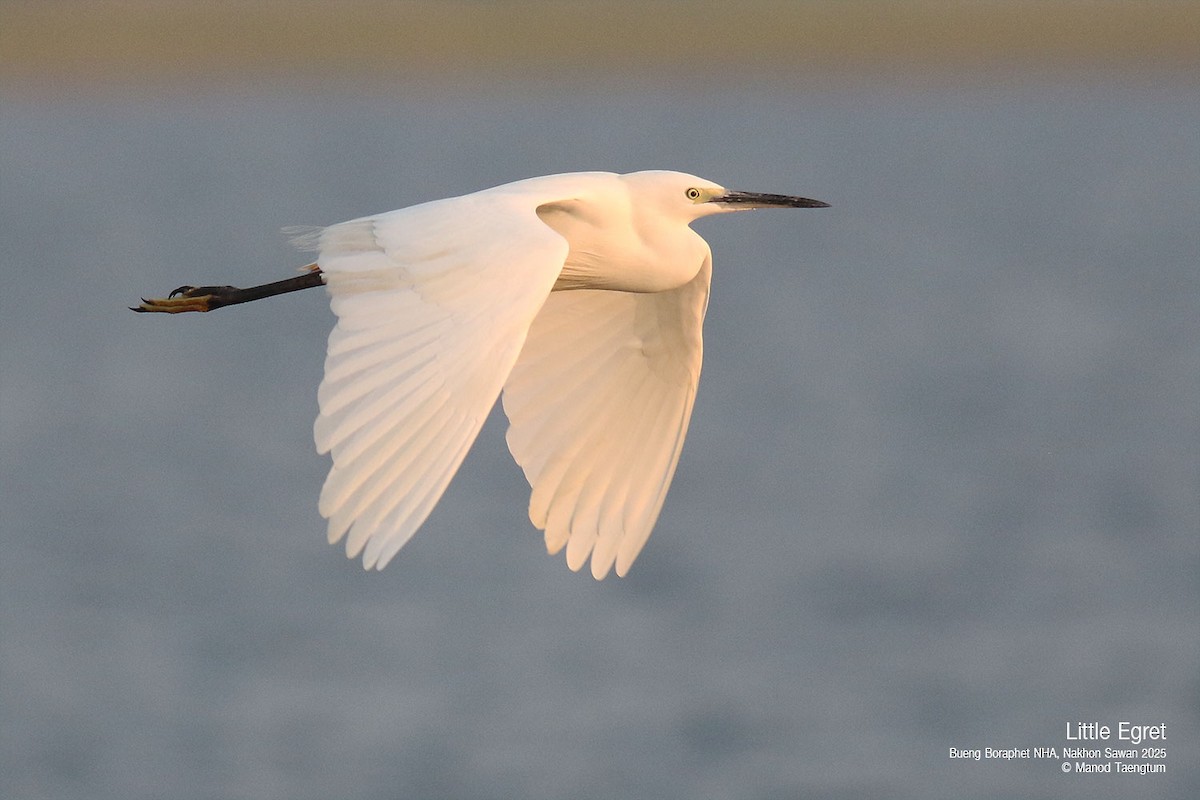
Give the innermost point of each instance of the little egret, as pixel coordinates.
(581, 296)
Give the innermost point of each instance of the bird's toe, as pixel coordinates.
(176, 303)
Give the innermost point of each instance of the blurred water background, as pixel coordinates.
(941, 487)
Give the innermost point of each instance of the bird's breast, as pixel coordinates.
(618, 258)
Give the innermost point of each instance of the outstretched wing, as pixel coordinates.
(433, 305)
(598, 405)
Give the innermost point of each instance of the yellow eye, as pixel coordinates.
(693, 194)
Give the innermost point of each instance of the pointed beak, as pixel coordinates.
(740, 200)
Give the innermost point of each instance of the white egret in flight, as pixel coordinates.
(580, 296)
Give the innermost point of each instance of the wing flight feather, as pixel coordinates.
(598, 405)
(426, 335)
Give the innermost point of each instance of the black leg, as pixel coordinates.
(209, 298)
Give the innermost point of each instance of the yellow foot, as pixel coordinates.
(185, 298)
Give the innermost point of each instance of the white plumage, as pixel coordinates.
(581, 296)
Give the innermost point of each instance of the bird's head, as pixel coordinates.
(687, 197)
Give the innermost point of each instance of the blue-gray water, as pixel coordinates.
(942, 487)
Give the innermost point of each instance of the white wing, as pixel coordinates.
(433, 305)
(598, 405)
